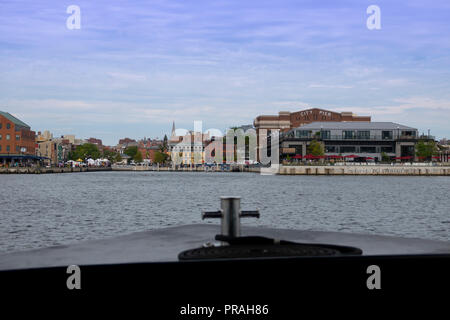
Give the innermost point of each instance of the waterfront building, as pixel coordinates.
(46, 148)
(188, 149)
(286, 121)
(17, 141)
(353, 139)
(148, 148)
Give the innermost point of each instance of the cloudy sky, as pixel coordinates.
(135, 66)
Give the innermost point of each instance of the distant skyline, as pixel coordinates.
(135, 66)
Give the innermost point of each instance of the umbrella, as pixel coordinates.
(406, 158)
(309, 156)
(369, 158)
(79, 160)
(334, 157)
(297, 156)
(436, 157)
(351, 156)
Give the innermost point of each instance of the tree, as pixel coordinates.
(160, 157)
(118, 158)
(87, 150)
(137, 157)
(131, 151)
(315, 148)
(165, 144)
(385, 157)
(110, 155)
(425, 150)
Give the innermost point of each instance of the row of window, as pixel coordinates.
(8, 148)
(349, 134)
(348, 149)
(8, 137)
(8, 125)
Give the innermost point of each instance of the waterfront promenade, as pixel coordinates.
(386, 170)
(39, 170)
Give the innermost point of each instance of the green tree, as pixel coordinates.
(87, 150)
(131, 151)
(110, 155)
(315, 148)
(118, 158)
(425, 150)
(160, 157)
(385, 157)
(138, 157)
(165, 144)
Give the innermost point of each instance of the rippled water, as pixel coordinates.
(52, 209)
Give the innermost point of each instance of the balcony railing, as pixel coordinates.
(356, 137)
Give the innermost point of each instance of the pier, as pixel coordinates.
(385, 170)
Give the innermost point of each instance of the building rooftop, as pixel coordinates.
(357, 125)
(14, 120)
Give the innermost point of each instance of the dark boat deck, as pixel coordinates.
(164, 245)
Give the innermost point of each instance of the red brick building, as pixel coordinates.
(286, 120)
(17, 140)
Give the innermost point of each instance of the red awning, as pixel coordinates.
(297, 156)
(351, 156)
(406, 158)
(369, 158)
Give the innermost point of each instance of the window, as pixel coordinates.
(0, 125)
(409, 133)
(0, 147)
(7, 148)
(387, 149)
(17, 148)
(386, 135)
(325, 134)
(302, 133)
(8, 137)
(364, 135)
(8, 126)
(347, 134)
(368, 149)
(330, 149)
(0, 137)
(17, 137)
(346, 149)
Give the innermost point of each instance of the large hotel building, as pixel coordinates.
(286, 121)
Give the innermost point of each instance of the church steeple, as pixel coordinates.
(173, 130)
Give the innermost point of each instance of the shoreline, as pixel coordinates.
(41, 170)
(381, 170)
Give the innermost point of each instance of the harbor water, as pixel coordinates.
(45, 210)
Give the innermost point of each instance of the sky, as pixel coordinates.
(133, 67)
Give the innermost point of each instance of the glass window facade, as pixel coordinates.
(325, 134)
(386, 135)
(348, 134)
(346, 149)
(368, 149)
(302, 133)
(363, 134)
